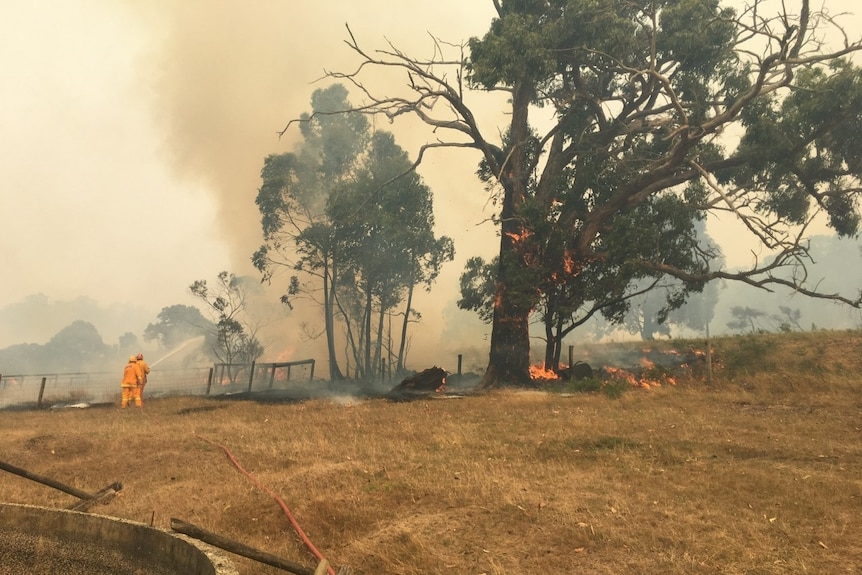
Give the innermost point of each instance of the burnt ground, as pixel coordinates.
(638, 367)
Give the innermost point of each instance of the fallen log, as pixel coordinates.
(429, 382)
(101, 497)
(46, 481)
(237, 548)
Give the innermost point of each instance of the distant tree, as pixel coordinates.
(650, 317)
(76, 347)
(788, 319)
(236, 342)
(747, 319)
(178, 324)
(668, 303)
(292, 199)
(128, 341)
(759, 321)
(384, 229)
(346, 211)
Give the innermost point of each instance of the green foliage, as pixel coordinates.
(347, 212)
(477, 287)
(802, 151)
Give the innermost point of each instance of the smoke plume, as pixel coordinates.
(227, 76)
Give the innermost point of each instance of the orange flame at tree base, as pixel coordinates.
(539, 371)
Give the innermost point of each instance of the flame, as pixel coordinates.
(568, 262)
(525, 233)
(645, 381)
(285, 355)
(622, 374)
(498, 300)
(539, 371)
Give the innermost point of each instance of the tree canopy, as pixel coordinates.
(345, 211)
(628, 122)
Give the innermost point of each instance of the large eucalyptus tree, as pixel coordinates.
(626, 122)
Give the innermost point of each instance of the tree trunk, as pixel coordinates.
(329, 322)
(378, 346)
(509, 361)
(549, 344)
(400, 366)
(558, 347)
(368, 369)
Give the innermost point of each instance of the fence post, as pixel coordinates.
(41, 392)
(460, 357)
(708, 357)
(251, 376)
(311, 377)
(571, 355)
(210, 380)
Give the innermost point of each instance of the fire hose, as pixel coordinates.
(281, 503)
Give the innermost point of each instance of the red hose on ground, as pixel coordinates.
(281, 503)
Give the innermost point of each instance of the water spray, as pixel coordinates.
(179, 348)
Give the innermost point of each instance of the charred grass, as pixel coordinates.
(758, 471)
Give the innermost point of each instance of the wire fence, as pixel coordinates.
(51, 389)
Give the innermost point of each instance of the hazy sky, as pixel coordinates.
(132, 133)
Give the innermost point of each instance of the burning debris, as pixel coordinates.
(656, 368)
(428, 382)
(648, 377)
(644, 369)
(577, 371)
(540, 372)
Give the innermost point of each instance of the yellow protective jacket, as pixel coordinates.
(131, 375)
(144, 369)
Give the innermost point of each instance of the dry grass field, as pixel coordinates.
(757, 472)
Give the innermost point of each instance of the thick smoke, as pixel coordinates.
(226, 76)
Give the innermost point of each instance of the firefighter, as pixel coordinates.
(144, 368)
(131, 384)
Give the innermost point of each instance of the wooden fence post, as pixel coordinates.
(251, 376)
(210, 380)
(41, 393)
